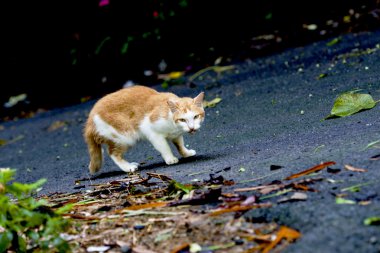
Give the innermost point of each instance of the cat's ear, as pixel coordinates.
(173, 106)
(198, 100)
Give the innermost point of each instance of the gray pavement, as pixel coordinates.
(271, 114)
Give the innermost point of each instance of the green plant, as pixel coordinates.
(27, 224)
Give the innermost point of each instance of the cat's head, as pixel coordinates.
(188, 113)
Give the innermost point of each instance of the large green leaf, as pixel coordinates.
(6, 175)
(350, 103)
(5, 240)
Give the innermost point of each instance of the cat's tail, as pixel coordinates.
(94, 150)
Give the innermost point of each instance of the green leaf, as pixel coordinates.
(373, 144)
(375, 220)
(178, 186)
(5, 240)
(355, 188)
(6, 175)
(100, 46)
(64, 209)
(333, 42)
(344, 201)
(350, 103)
(20, 188)
(21, 244)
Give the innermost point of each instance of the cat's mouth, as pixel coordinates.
(192, 131)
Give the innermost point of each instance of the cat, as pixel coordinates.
(122, 118)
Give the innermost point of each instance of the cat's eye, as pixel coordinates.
(196, 116)
(182, 120)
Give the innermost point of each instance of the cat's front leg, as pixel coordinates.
(161, 145)
(179, 143)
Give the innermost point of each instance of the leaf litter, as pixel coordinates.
(158, 214)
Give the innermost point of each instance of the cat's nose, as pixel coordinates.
(192, 130)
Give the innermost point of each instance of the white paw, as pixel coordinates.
(129, 167)
(171, 160)
(189, 153)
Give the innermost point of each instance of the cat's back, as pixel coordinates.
(124, 99)
(127, 107)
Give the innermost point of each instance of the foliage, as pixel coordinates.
(27, 224)
(349, 103)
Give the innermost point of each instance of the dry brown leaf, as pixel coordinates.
(270, 188)
(295, 197)
(352, 168)
(142, 249)
(238, 208)
(56, 125)
(81, 217)
(311, 170)
(180, 248)
(159, 176)
(284, 233)
(144, 206)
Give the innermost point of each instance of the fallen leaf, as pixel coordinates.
(142, 249)
(98, 248)
(217, 69)
(218, 247)
(375, 157)
(296, 196)
(355, 188)
(276, 194)
(237, 208)
(211, 103)
(311, 170)
(310, 27)
(15, 100)
(144, 206)
(3, 142)
(333, 41)
(56, 125)
(195, 247)
(349, 103)
(171, 75)
(283, 233)
(163, 235)
(323, 75)
(180, 248)
(159, 176)
(352, 168)
(373, 144)
(209, 196)
(17, 138)
(344, 201)
(175, 186)
(375, 220)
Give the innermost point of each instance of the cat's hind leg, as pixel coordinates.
(95, 152)
(116, 154)
(180, 145)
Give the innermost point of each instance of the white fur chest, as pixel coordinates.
(162, 126)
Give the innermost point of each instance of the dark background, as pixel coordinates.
(59, 52)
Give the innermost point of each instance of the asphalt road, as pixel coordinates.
(271, 113)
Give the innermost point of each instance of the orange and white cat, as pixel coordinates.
(122, 118)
